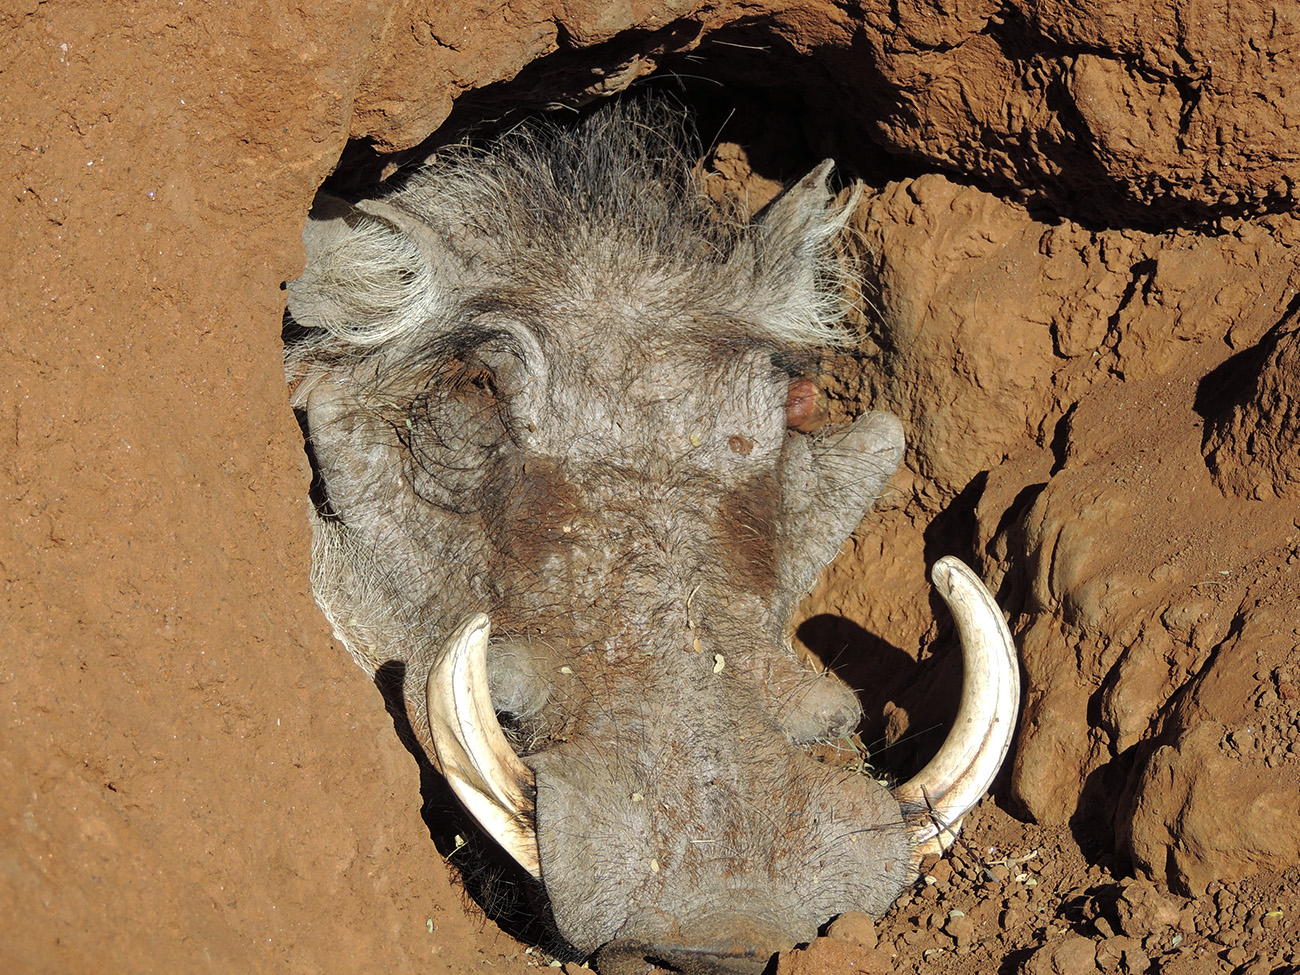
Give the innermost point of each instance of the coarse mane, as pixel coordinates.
(612, 206)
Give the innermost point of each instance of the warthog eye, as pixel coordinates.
(470, 376)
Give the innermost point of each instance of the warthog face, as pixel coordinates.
(549, 388)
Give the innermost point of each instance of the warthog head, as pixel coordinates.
(549, 388)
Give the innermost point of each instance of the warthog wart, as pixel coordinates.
(549, 386)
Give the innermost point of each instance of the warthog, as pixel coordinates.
(549, 387)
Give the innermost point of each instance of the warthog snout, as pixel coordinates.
(723, 943)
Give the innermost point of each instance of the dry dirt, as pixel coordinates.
(1078, 243)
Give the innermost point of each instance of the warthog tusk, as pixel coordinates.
(477, 761)
(957, 777)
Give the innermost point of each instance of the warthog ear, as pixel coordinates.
(828, 484)
(797, 297)
(374, 271)
(798, 211)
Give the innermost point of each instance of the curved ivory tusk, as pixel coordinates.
(477, 761)
(959, 775)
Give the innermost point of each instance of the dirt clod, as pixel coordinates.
(1143, 910)
(853, 927)
(1072, 955)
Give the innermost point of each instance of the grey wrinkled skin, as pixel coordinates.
(548, 381)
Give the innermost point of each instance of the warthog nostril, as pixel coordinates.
(721, 945)
(628, 956)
